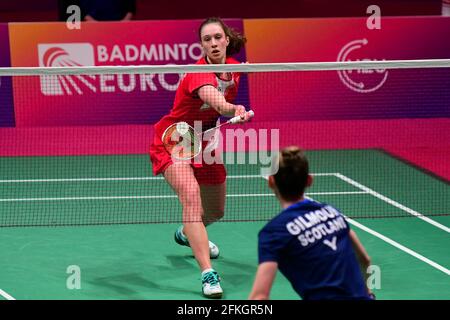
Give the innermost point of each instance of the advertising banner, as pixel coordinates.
(101, 99)
(356, 94)
(6, 103)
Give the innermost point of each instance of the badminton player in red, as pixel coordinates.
(201, 187)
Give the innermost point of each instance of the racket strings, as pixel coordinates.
(181, 141)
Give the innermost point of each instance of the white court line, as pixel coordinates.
(392, 202)
(335, 193)
(134, 178)
(399, 246)
(81, 179)
(164, 197)
(145, 197)
(110, 179)
(6, 295)
(383, 237)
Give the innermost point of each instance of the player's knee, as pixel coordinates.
(213, 215)
(190, 198)
(219, 214)
(191, 203)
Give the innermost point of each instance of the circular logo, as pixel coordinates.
(364, 80)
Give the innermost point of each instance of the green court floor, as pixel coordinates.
(141, 261)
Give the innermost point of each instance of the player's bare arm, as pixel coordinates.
(216, 100)
(361, 255)
(265, 275)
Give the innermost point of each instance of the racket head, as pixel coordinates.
(181, 141)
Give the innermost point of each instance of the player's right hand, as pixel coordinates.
(240, 111)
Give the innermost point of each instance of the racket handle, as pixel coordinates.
(238, 118)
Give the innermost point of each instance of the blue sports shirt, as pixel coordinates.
(310, 242)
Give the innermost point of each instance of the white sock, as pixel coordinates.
(207, 270)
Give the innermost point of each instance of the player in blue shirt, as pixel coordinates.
(309, 242)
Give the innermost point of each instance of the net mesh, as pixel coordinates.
(78, 150)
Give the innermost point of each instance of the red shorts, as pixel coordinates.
(206, 174)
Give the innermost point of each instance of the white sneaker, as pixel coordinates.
(214, 251)
(211, 284)
(181, 239)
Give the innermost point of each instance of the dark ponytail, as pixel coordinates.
(237, 40)
(292, 175)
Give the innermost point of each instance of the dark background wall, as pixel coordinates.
(287, 8)
(47, 10)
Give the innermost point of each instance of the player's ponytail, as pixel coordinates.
(292, 175)
(237, 40)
